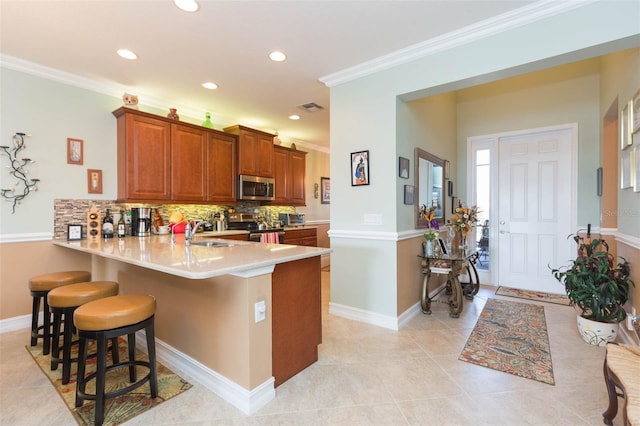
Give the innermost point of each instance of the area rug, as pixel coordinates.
(119, 409)
(511, 337)
(539, 296)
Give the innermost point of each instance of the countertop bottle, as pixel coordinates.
(122, 227)
(107, 225)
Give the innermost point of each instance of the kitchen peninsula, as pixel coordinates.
(209, 316)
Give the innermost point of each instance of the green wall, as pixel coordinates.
(365, 115)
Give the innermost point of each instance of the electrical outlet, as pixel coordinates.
(630, 316)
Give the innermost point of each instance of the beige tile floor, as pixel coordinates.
(366, 375)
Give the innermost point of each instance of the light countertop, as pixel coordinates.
(196, 262)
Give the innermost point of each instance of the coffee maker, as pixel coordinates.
(141, 221)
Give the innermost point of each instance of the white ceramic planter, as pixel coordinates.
(597, 333)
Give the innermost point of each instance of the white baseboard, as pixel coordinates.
(247, 401)
(17, 323)
(361, 315)
(376, 319)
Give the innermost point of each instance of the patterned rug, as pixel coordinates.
(511, 337)
(119, 409)
(539, 296)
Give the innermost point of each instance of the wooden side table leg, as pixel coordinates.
(612, 409)
(455, 300)
(426, 302)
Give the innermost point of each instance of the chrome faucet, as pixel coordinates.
(190, 233)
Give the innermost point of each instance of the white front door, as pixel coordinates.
(537, 206)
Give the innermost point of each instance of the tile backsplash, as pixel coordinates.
(74, 212)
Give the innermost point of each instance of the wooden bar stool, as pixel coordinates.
(40, 286)
(104, 319)
(63, 301)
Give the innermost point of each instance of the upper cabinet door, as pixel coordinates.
(298, 164)
(255, 151)
(144, 158)
(281, 174)
(221, 168)
(290, 169)
(188, 146)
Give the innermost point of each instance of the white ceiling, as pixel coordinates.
(228, 42)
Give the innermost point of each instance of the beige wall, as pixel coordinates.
(322, 234)
(20, 261)
(210, 320)
(633, 257)
(410, 274)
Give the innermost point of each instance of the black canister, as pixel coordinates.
(141, 221)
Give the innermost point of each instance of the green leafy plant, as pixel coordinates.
(594, 283)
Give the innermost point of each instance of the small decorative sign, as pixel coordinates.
(74, 232)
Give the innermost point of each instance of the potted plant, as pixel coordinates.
(598, 288)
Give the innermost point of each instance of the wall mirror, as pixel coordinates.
(429, 173)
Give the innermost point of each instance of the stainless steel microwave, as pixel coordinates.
(255, 188)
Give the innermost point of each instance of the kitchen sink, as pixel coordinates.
(212, 243)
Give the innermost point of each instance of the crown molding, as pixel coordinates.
(516, 18)
(116, 90)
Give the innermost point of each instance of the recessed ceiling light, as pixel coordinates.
(294, 117)
(127, 54)
(209, 85)
(277, 56)
(187, 5)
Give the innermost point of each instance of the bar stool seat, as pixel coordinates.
(63, 301)
(105, 319)
(40, 285)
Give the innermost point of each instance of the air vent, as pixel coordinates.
(310, 107)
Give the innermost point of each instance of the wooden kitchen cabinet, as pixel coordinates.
(221, 168)
(255, 151)
(235, 237)
(296, 324)
(301, 237)
(144, 156)
(188, 163)
(289, 174)
(162, 160)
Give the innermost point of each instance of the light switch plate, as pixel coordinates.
(260, 311)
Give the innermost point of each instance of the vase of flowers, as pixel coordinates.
(428, 213)
(463, 221)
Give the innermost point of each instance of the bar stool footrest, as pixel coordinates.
(135, 385)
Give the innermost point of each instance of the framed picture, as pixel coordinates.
(360, 168)
(74, 232)
(625, 126)
(636, 168)
(409, 191)
(403, 167)
(75, 151)
(94, 181)
(635, 113)
(625, 170)
(325, 190)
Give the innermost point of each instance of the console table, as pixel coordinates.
(451, 265)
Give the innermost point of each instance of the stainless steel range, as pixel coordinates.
(253, 223)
